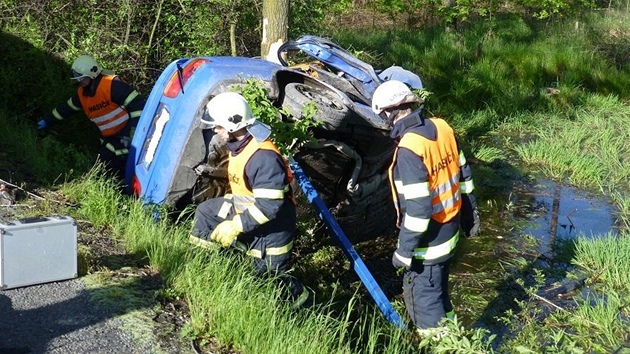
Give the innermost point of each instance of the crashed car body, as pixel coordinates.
(176, 160)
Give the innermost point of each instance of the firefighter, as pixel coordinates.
(432, 188)
(259, 216)
(110, 103)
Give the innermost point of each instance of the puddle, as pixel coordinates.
(487, 268)
(566, 212)
(482, 288)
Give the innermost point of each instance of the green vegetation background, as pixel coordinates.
(543, 84)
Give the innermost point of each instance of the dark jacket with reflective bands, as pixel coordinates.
(260, 181)
(429, 177)
(108, 101)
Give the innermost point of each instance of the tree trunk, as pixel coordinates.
(233, 38)
(275, 26)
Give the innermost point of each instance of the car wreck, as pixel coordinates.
(176, 160)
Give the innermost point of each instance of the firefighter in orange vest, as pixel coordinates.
(110, 103)
(259, 216)
(431, 186)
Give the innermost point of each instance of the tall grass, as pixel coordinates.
(507, 64)
(544, 93)
(590, 150)
(225, 300)
(606, 258)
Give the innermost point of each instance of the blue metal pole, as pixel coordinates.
(357, 263)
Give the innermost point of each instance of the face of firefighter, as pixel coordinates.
(390, 119)
(222, 133)
(226, 136)
(399, 114)
(83, 82)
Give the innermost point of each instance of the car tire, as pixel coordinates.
(330, 107)
(360, 219)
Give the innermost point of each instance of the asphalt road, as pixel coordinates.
(60, 318)
(67, 317)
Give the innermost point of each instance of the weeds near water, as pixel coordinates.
(458, 339)
(606, 257)
(536, 80)
(588, 152)
(622, 201)
(593, 319)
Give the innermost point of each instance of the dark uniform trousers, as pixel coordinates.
(114, 150)
(275, 233)
(425, 291)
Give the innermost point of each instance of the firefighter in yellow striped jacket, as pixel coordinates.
(110, 103)
(259, 216)
(431, 187)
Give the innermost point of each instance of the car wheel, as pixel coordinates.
(210, 176)
(361, 218)
(330, 108)
(209, 187)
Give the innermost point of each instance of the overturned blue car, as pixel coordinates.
(175, 160)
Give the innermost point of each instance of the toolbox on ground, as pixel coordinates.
(37, 250)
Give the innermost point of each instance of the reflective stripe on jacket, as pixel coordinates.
(441, 159)
(427, 205)
(108, 116)
(244, 197)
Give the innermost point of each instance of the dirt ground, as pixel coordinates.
(100, 253)
(168, 315)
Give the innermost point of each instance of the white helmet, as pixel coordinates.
(390, 94)
(229, 110)
(85, 66)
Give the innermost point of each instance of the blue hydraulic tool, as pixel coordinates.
(359, 267)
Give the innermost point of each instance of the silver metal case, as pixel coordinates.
(37, 250)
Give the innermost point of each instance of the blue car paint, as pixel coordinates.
(211, 78)
(157, 178)
(157, 181)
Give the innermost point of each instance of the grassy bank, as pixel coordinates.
(226, 302)
(546, 97)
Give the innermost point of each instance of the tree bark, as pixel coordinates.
(233, 38)
(275, 25)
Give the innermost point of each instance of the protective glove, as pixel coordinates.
(398, 263)
(42, 124)
(201, 169)
(470, 223)
(226, 232)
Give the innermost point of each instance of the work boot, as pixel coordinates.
(201, 242)
(305, 300)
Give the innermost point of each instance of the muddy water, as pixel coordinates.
(521, 217)
(567, 212)
(520, 226)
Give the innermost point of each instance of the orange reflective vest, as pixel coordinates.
(243, 196)
(109, 117)
(441, 159)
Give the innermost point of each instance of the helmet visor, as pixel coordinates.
(207, 119)
(260, 131)
(77, 75)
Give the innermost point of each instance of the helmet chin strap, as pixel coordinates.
(394, 115)
(399, 114)
(390, 117)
